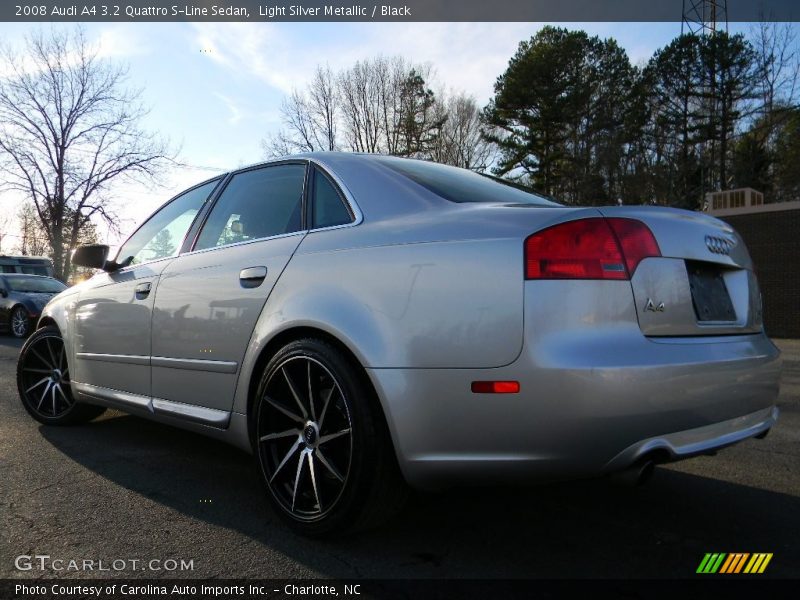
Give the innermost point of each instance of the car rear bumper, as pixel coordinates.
(580, 411)
(701, 440)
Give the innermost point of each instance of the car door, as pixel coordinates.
(113, 313)
(209, 299)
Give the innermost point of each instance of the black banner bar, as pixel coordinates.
(704, 586)
(384, 10)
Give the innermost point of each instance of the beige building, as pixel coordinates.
(733, 199)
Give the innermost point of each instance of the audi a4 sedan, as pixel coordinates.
(364, 323)
(22, 298)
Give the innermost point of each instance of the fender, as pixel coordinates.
(335, 312)
(61, 312)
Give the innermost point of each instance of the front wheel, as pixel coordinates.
(43, 381)
(321, 442)
(20, 324)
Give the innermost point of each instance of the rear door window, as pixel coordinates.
(256, 204)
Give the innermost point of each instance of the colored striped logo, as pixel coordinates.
(735, 562)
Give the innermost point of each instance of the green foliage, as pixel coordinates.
(672, 83)
(563, 113)
(787, 157)
(417, 126)
(751, 163)
(572, 117)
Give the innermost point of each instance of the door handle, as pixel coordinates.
(252, 277)
(143, 290)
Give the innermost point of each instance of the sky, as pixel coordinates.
(215, 89)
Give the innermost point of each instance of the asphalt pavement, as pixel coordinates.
(123, 488)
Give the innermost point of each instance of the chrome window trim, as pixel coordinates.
(216, 193)
(245, 242)
(326, 168)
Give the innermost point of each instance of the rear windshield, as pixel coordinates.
(460, 185)
(35, 284)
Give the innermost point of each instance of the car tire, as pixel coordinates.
(43, 381)
(328, 464)
(19, 323)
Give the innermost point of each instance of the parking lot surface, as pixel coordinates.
(125, 488)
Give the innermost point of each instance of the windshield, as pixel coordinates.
(461, 185)
(35, 285)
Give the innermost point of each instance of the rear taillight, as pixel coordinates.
(594, 248)
(635, 240)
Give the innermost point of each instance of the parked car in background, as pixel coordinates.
(22, 298)
(360, 322)
(28, 265)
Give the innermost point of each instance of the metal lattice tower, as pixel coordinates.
(704, 17)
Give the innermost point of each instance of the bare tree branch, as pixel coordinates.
(70, 130)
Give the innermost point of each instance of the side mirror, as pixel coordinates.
(93, 256)
(4, 293)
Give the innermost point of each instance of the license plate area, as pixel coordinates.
(710, 297)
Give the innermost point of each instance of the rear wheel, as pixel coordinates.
(20, 323)
(43, 381)
(322, 446)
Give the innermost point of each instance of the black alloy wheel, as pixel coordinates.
(43, 381)
(323, 449)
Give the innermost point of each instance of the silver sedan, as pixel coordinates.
(363, 323)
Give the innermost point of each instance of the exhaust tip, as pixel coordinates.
(637, 474)
(646, 472)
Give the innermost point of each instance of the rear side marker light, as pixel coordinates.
(593, 248)
(495, 387)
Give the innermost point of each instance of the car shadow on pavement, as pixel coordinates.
(579, 529)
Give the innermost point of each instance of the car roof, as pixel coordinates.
(320, 156)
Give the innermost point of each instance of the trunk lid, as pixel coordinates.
(702, 284)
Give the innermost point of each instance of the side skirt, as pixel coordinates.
(136, 403)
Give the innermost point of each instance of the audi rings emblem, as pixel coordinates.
(719, 245)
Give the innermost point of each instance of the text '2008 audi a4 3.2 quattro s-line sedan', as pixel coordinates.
(361, 323)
